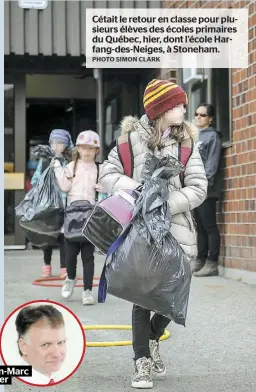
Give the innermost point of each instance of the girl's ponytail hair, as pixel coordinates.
(178, 132)
(155, 140)
(75, 159)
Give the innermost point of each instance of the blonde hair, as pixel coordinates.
(155, 141)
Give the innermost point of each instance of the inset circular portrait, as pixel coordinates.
(46, 336)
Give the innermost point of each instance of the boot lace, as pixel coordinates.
(143, 367)
(155, 351)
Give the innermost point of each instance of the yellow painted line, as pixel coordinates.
(165, 336)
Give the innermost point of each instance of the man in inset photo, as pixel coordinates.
(41, 342)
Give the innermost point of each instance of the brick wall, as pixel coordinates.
(237, 212)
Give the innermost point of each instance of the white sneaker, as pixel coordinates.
(158, 366)
(68, 288)
(88, 298)
(142, 377)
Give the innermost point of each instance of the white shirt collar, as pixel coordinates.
(37, 377)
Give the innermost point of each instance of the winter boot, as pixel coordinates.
(63, 273)
(158, 366)
(46, 271)
(210, 269)
(197, 265)
(142, 377)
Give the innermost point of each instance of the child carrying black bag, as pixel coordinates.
(80, 180)
(159, 132)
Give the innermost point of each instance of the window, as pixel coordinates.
(192, 74)
(215, 88)
(194, 82)
(195, 100)
(198, 95)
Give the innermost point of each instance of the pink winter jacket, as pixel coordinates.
(80, 187)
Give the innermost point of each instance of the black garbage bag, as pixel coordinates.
(44, 152)
(150, 268)
(42, 210)
(41, 240)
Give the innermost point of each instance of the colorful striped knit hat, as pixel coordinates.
(161, 96)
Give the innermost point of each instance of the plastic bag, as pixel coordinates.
(150, 268)
(41, 240)
(44, 152)
(42, 210)
(151, 215)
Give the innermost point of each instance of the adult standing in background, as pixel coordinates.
(209, 145)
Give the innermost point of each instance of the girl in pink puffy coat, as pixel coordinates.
(79, 180)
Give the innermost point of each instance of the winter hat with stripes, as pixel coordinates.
(161, 96)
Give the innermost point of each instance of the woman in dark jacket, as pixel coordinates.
(209, 145)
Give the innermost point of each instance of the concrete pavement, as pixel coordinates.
(216, 351)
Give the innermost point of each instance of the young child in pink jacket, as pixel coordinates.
(79, 180)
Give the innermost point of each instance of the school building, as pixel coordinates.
(233, 93)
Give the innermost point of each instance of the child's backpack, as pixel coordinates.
(125, 153)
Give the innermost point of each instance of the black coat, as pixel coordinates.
(209, 145)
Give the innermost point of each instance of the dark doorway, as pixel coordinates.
(45, 115)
